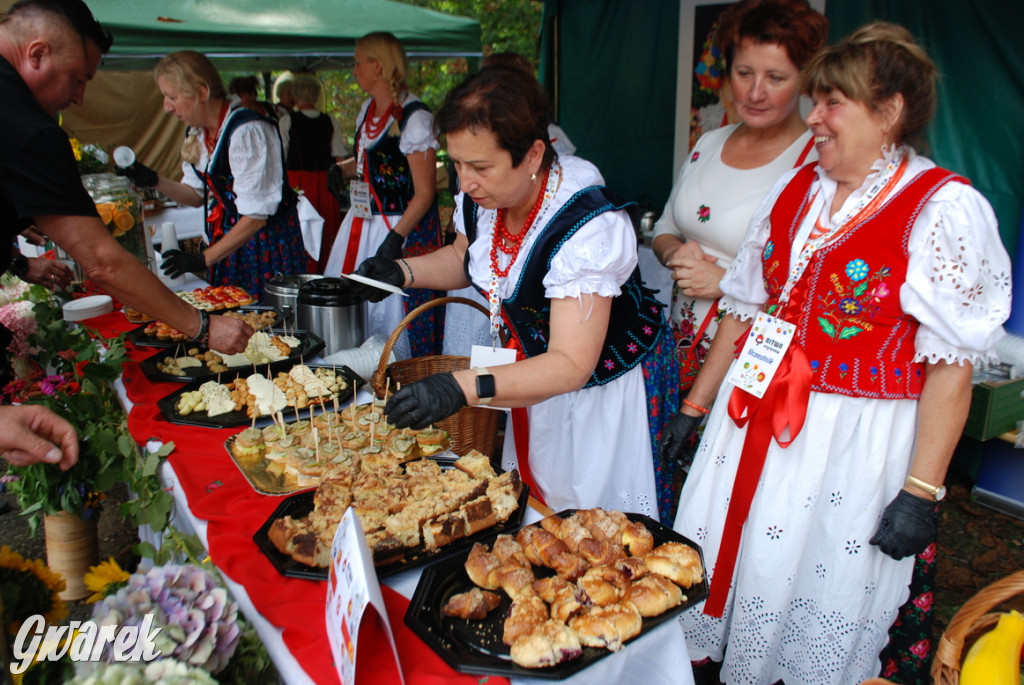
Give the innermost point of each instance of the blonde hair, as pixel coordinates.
(876, 62)
(387, 50)
(189, 71)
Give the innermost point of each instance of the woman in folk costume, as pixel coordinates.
(392, 179)
(313, 143)
(811, 500)
(233, 165)
(555, 257)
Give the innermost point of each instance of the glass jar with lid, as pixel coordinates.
(120, 208)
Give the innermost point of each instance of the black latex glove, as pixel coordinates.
(391, 247)
(380, 269)
(336, 184)
(908, 526)
(426, 401)
(675, 435)
(177, 263)
(140, 174)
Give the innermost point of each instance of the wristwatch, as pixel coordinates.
(485, 388)
(936, 491)
(19, 266)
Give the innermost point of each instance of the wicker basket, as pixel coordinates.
(968, 624)
(471, 427)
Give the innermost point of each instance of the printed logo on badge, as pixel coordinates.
(359, 199)
(766, 345)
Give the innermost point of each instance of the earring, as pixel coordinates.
(533, 178)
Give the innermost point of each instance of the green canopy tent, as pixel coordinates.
(265, 35)
(123, 106)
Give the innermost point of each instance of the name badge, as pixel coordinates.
(359, 197)
(766, 344)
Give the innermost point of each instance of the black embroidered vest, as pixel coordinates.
(636, 319)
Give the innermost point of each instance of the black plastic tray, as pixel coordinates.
(309, 346)
(168, 405)
(138, 337)
(301, 504)
(476, 647)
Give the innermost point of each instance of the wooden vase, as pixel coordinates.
(72, 547)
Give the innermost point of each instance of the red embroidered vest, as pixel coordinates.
(846, 305)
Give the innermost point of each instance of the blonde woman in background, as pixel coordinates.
(395, 157)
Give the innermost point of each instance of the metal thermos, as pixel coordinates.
(327, 308)
(282, 292)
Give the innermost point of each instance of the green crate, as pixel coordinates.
(996, 407)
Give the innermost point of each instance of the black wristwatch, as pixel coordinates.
(485, 388)
(19, 266)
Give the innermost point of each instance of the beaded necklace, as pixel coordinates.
(503, 240)
(500, 235)
(373, 125)
(211, 139)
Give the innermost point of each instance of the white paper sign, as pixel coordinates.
(359, 199)
(487, 356)
(766, 344)
(352, 585)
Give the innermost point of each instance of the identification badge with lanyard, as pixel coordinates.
(763, 350)
(359, 197)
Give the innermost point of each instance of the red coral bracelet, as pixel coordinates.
(696, 407)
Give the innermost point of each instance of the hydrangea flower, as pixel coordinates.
(199, 621)
(159, 672)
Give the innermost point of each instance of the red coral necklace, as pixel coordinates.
(373, 125)
(508, 243)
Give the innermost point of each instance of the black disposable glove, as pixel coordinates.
(336, 184)
(379, 269)
(426, 401)
(140, 174)
(908, 526)
(391, 247)
(675, 436)
(177, 263)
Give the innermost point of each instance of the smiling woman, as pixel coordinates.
(873, 244)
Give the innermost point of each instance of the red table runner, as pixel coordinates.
(219, 494)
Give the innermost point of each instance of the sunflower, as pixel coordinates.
(104, 579)
(28, 587)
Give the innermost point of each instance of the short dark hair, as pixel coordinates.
(243, 84)
(76, 13)
(505, 101)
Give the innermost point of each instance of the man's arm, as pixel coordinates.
(121, 275)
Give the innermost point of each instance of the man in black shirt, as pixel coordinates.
(49, 50)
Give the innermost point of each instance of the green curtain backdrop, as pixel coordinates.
(613, 83)
(611, 67)
(979, 127)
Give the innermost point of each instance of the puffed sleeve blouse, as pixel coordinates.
(958, 274)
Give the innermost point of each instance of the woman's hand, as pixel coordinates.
(908, 526)
(695, 271)
(426, 401)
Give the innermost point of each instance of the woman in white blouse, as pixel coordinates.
(813, 490)
(394, 173)
(555, 257)
(234, 167)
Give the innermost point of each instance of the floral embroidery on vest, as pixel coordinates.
(847, 306)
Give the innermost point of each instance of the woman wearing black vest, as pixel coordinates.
(555, 255)
(313, 142)
(394, 173)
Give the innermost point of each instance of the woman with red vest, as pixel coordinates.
(866, 288)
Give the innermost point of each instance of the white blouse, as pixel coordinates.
(958, 275)
(256, 162)
(596, 260)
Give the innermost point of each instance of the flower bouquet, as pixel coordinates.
(91, 158)
(197, 619)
